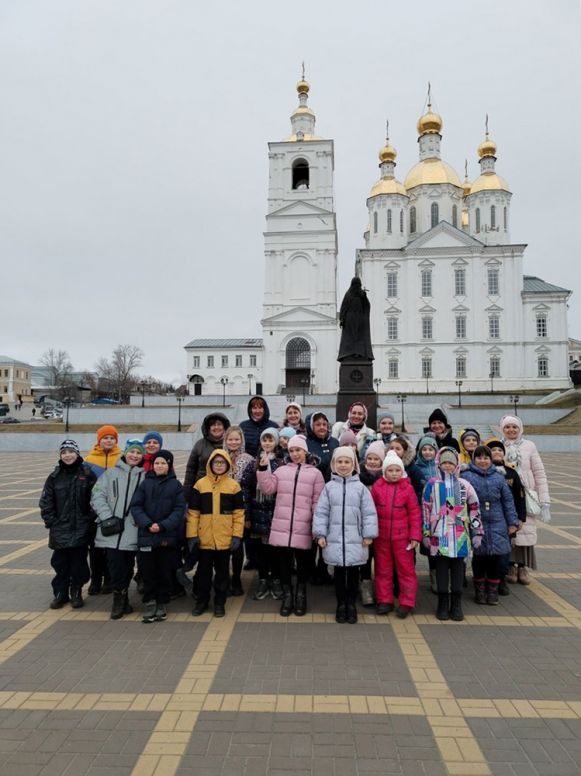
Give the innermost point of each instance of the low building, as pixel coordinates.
(230, 366)
(15, 380)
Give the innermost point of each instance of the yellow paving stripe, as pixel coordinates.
(25, 635)
(557, 602)
(566, 503)
(559, 532)
(566, 485)
(458, 747)
(32, 547)
(22, 493)
(23, 513)
(420, 619)
(168, 741)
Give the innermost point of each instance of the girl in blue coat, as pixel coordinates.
(344, 525)
(499, 520)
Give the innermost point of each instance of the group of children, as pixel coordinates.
(365, 501)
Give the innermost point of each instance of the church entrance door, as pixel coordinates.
(298, 363)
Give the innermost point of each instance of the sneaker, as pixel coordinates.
(403, 611)
(366, 590)
(160, 613)
(219, 610)
(149, 611)
(384, 609)
(523, 575)
(262, 591)
(276, 589)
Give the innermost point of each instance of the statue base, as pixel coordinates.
(356, 384)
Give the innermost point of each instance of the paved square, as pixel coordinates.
(256, 694)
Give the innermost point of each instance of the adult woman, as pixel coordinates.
(524, 456)
(111, 497)
(356, 422)
(293, 417)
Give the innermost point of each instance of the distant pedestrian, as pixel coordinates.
(33, 411)
(65, 507)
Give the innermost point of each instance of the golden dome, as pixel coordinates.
(467, 186)
(303, 86)
(430, 123)
(431, 171)
(489, 181)
(387, 153)
(487, 148)
(387, 186)
(302, 110)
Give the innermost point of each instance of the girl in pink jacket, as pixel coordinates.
(298, 486)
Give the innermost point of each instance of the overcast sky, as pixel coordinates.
(133, 149)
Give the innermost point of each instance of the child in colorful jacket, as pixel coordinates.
(451, 524)
(400, 532)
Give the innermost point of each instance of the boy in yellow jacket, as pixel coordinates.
(215, 525)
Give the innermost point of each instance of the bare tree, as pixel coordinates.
(117, 374)
(60, 368)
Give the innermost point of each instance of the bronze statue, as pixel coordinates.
(354, 322)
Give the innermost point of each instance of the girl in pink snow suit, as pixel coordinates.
(400, 532)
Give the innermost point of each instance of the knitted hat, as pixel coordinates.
(383, 416)
(428, 440)
(298, 441)
(107, 431)
(438, 414)
(295, 405)
(346, 452)
(512, 420)
(376, 448)
(69, 444)
(392, 459)
(448, 455)
(358, 404)
(273, 432)
(470, 432)
(166, 455)
(348, 438)
(153, 435)
(287, 432)
(134, 444)
(492, 443)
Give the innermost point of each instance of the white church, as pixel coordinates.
(449, 300)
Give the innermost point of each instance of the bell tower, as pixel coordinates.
(299, 314)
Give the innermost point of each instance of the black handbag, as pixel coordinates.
(112, 526)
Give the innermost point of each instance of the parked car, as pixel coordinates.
(4, 408)
(105, 401)
(9, 420)
(48, 414)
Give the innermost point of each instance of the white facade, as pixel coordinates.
(299, 320)
(449, 300)
(236, 361)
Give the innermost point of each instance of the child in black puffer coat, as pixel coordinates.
(158, 507)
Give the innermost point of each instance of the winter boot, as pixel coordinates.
(402, 611)
(384, 609)
(199, 608)
(262, 591)
(492, 592)
(351, 610)
(59, 600)
(366, 590)
(276, 589)
(480, 591)
(118, 607)
(76, 598)
(127, 608)
(149, 611)
(443, 610)
(523, 575)
(286, 605)
(433, 582)
(512, 574)
(301, 601)
(341, 613)
(456, 612)
(503, 588)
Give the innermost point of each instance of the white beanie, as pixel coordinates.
(393, 459)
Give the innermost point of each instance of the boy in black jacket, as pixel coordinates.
(65, 507)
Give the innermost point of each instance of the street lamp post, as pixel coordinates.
(179, 401)
(250, 376)
(377, 383)
(427, 383)
(515, 400)
(491, 375)
(67, 403)
(459, 384)
(143, 386)
(402, 398)
(224, 381)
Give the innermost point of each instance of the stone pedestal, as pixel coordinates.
(356, 384)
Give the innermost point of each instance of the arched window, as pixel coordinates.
(300, 171)
(435, 211)
(492, 217)
(375, 223)
(389, 221)
(505, 215)
(477, 219)
(412, 219)
(401, 220)
(454, 215)
(298, 363)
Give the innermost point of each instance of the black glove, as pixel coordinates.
(235, 543)
(193, 543)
